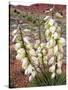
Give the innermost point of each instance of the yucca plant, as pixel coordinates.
(42, 60)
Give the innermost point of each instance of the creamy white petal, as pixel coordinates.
(55, 50)
(52, 68)
(53, 75)
(51, 60)
(58, 15)
(59, 71)
(17, 46)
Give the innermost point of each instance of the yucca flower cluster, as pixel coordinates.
(55, 43)
(38, 55)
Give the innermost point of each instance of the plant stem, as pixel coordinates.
(55, 70)
(27, 52)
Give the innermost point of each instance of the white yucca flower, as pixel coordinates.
(59, 56)
(61, 41)
(32, 52)
(44, 51)
(40, 60)
(29, 46)
(17, 46)
(19, 56)
(51, 60)
(31, 77)
(14, 32)
(33, 74)
(38, 50)
(21, 51)
(51, 21)
(58, 29)
(50, 52)
(29, 69)
(50, 43)
(56, 50)
(61, 49)
(45, 62)
(59, 71)
(52, 29)
(26, 39)
(47, 33)
(53, 75)
(37, 44)
(34, 60)
(56, 35)
(39, 55)
(42, 45)
(59, 64)
(58, 15)
(26, 71)
(27, 30)
(14, 38)
(37, 41)
(45, 58)
(24, 63)
(52, 68)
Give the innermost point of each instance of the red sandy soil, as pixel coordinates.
(17, 77)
